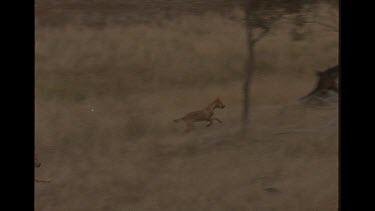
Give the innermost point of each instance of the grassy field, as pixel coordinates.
(106, 97)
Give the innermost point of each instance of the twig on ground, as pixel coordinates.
(315, 130)
(41, 181)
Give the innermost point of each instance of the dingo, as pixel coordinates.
(202, 115)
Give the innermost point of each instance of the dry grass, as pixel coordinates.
(106, 98)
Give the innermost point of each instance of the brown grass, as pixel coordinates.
(106, 98)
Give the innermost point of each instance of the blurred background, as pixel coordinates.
(110, 76)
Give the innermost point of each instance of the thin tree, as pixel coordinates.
(260, 16)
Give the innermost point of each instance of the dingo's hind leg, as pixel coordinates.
(189, 126)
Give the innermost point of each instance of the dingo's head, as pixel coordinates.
(218, 103)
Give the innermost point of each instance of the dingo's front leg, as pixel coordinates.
(216, 120)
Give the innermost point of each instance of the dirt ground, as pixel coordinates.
(106, 98)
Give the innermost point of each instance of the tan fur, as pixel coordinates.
(202, 115)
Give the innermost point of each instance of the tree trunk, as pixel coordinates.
(249, 70)
(326, 82)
